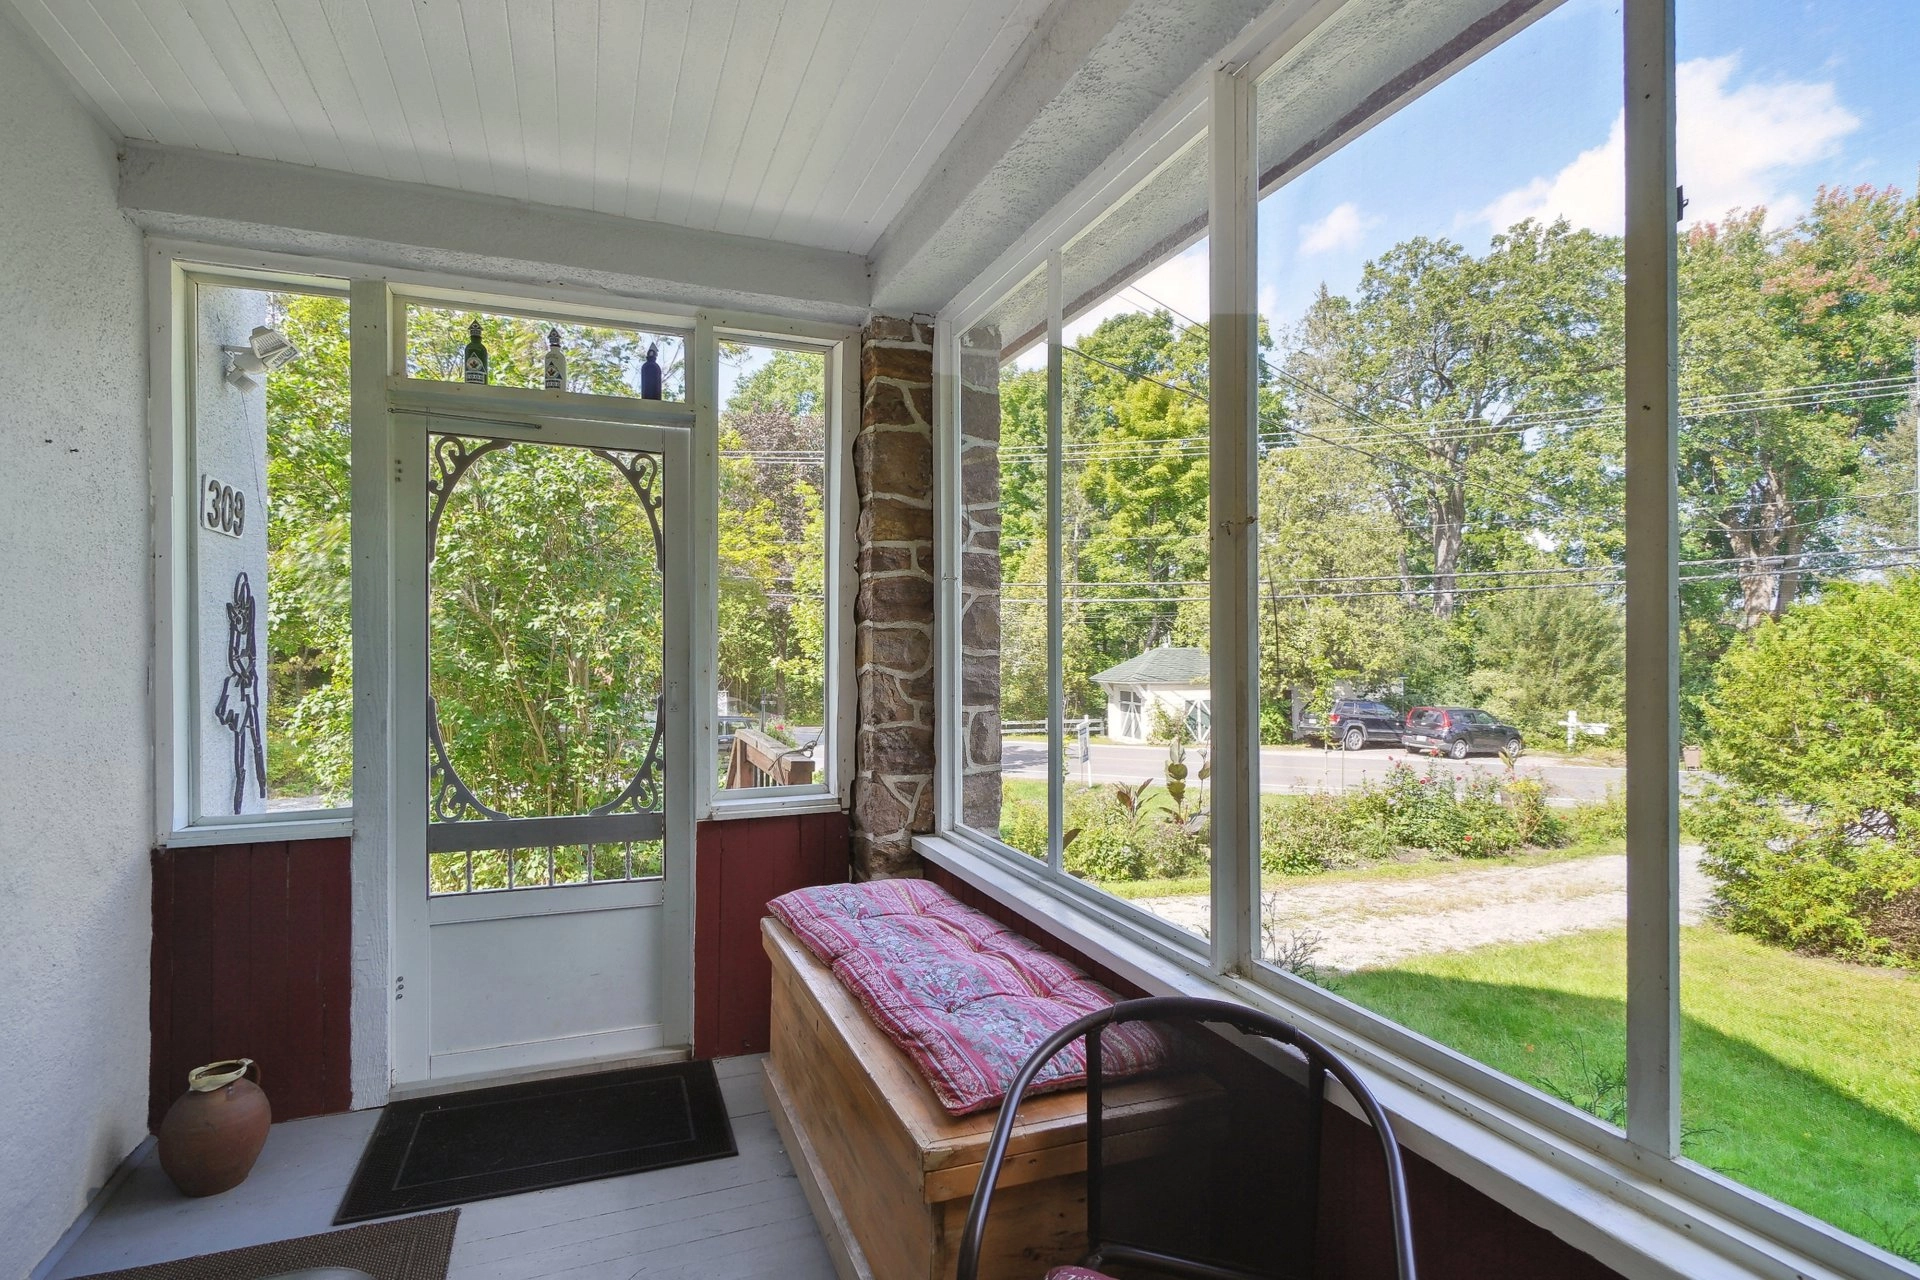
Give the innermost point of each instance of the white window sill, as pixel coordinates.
(1625, 1213)
(264, 831)
(756, 802)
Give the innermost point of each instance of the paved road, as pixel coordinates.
(1303, 768)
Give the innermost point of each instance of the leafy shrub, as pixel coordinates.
(1533, 822)
(1130, 839)
(1435, 812)
(1602, 822)
(1302, 834)
(1023, 824)
(1448, 814)
(1814, 832)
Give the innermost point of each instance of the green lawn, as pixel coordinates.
(1800, 1076)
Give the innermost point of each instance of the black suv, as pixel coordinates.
(1357, 723)
(1458, 732)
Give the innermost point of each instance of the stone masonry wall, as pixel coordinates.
(893, 613)
(980, 576)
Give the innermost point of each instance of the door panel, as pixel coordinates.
(542, 899)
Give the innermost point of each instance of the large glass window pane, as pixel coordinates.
(1134, 495)
(1440, 613)
(773, 560)
(1799, 145)
(272, 632)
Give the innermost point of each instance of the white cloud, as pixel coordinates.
(1343, 228)
(1737, 145)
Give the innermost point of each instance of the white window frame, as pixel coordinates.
(839, 347)
(378, 298)
(1625, 1196)
(172, 278)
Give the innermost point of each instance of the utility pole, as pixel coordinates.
(1914, 398)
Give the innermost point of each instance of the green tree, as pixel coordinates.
(772, 537)
(1439, 350)
(1330, 549)
(1542, 653)
(1814, 833)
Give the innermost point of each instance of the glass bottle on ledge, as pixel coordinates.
(650, 373)
(476, 354)
(556, 367)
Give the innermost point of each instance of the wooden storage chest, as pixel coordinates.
(890, 1174)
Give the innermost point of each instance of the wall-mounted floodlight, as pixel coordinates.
(266, 350)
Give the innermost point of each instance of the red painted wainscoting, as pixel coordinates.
(742, 864)
(252, 959)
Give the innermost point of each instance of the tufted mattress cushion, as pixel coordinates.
(1077, 1273)
(965, 998)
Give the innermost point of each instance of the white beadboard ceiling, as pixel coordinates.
(805, 121)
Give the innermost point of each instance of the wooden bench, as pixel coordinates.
(889, 1174)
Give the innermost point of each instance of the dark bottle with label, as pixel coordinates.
(650, 374)
(476, 354)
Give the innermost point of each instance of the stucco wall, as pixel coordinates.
(75, 781)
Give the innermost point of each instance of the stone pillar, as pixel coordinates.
(980, 577)
(893, 613)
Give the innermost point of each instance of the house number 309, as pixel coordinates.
(223, 508)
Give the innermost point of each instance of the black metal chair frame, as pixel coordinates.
(1321, 1063)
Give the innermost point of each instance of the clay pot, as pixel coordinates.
(214, 1131)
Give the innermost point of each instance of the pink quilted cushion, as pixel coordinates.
(965, 998)
(1077, 1273)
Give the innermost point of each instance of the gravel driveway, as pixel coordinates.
(1369, 923)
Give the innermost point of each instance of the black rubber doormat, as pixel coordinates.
(459, 1147)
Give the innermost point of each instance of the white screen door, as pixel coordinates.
(542, 815)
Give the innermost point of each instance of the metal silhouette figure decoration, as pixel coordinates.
(239, 706)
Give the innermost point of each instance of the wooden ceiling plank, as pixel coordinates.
(450, 63)
(795, 46)
(254, 93)
(662, 54)
(108, 51)
(889, 26)
(709, 37)
(87, 76)
(326, 66)
(397, 33)
(813, 102)
(576, 28)
(379, 92)
(273, 48)
(622, 29)
(490, 56)
(179, 41)
(897, 86)
(751, 59)
(906, 160)
(530, 33)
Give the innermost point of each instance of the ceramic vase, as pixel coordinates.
(214, 1131)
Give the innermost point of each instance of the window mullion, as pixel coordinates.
(1056, 659)
(1652, 583)
(1233, 405)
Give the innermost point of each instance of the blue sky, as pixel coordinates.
(1776, 97)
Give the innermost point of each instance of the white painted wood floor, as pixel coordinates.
(723, 1220)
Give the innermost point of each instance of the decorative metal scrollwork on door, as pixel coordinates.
(452, 799)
